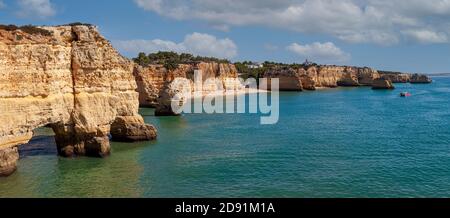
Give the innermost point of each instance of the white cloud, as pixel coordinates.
(320, 52)
(195, 43)
(36, 8)
(2, 4)
(426, 36)
(357, 21)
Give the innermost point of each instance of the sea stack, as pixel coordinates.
(69, 78)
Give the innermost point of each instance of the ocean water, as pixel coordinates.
(344, 142)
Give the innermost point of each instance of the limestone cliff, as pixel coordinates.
(71, 79)
(382, 83)
(312, 77)
(418, 78)
(289, 78)
(329, 76)
(150, 81)
(397, 77)
(345, 76)
(154, 82)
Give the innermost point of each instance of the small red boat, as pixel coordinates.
(405, 94)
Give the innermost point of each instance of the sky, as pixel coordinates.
(397, 35)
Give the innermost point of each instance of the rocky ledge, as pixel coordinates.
(71, 79)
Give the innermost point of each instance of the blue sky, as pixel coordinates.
(401, 35)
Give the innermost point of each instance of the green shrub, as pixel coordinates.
(142, 59)
(171, 60)
(78, 24)
(171, 65)
(27, 29)
(247, 72)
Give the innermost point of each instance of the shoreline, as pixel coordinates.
(246, 91)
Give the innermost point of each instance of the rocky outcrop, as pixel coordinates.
(289, 79)
(417, 78)
(168, 96)
(72, 80)
(8, 160)
(312, 77)
(330, 76)
(130, 129)
(150, 81)
(156, 88)
(382, 84)
(397, 77)
(366, 76)
(334, 76)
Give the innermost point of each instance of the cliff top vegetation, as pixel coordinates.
(246, 71)
(390, 72)
(33, 30)
(171, 60)
(77, 24)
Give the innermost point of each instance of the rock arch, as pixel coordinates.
(72, 80)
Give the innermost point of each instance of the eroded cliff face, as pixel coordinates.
(397, 77)
(418, 78)
(156, 88)
(289, 79)
(72, 80)
(313, 77)
(382, 83)
(328, 76)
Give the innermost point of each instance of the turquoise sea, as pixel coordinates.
(344, 142)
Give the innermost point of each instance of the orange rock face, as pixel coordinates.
(313, 77)
(72, 80)
(382, 84)
(397, 77)
(154, 82)
(328, 76)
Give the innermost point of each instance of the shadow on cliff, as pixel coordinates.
(39, 145)
(43, 144)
